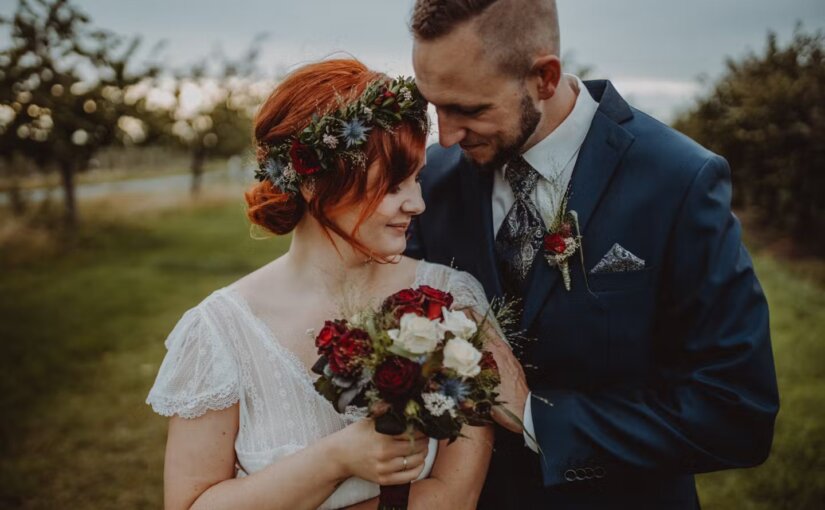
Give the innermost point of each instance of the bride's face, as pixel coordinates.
(384, 232)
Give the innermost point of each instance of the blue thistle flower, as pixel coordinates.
(354, 132)
(455, 388)
(273, 169)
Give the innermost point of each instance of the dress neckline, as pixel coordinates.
(274, 343)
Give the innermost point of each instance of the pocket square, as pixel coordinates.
(618, 260)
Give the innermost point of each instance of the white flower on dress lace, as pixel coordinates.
(458, 324)
(417, 335)
(461, 356)
(330, 141)
(438, 404)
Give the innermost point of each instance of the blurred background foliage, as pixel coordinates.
(766, 115)
(94, 278)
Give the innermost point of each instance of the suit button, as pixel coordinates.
(599, 472)
(570, 475)
(580, 474)
(588, 473)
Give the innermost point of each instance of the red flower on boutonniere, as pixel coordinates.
(560, 243)
(304, 159)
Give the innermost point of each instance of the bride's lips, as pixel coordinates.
(401, 227)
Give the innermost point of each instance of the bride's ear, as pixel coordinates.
(546, 72)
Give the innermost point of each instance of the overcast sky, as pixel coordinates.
(654, 50)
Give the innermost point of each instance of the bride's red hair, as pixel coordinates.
(316, 89)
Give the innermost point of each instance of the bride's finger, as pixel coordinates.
(402, 463)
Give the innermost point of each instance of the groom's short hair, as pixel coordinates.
(514, 31)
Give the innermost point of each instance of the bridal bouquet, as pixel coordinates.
(414, 363)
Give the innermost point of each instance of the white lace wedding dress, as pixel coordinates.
(221, 353)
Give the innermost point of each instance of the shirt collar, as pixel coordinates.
(551, 155)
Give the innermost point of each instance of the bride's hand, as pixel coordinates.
(380, 458)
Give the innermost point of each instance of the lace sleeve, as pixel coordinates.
(469, 295)
(198, 373)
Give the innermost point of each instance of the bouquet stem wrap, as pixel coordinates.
(392, 497)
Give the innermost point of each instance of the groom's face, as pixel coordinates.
(489, 113)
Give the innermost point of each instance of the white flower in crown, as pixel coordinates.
(416, 335)
(330, 141)
(438, 404)
(366, 110)
(458, 324)
(461, 356)
(289, 173)
(406, 94)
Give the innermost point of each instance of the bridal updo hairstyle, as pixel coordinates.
(317, 89)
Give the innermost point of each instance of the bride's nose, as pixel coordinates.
(414, 203)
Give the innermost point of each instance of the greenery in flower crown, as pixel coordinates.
(342, 133)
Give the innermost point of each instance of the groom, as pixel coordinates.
(651, 356)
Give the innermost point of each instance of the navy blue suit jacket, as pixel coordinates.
(646, 377)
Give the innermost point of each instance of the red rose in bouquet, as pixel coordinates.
(304, 159)
(488, 362)
(434, 300)
(405, 301)
(331, 331)
(347, 352)
(396, 377)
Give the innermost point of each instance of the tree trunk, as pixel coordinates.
(16, 200)
(67, 173)
(198, 159)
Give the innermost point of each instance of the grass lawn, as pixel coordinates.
(82, 338)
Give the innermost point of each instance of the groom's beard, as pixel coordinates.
(529, 118)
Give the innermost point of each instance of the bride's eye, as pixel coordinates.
(394, 190)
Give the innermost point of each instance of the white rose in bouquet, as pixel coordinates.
(416, 335)
(458, 324)
(461, 356)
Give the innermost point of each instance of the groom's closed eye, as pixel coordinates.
(467, 111)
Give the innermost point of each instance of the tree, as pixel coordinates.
(766, 115)
(219, 122)
(61, 90)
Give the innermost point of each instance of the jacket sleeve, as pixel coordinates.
(713, 399)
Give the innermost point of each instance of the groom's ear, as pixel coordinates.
(546, 71)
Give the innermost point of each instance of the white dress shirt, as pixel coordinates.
(554, 158)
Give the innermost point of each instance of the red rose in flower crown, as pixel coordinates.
(347, 352)
(555, 243)
(434, 300)
(304, 159)
(396, 377)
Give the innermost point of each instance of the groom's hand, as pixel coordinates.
(513, 390)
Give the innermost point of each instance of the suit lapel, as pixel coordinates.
(600, 154)
(477, 190)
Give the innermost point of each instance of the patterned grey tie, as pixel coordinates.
(521, 235)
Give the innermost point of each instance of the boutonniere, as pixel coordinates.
(561, 241)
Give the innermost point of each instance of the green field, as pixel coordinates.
(82, 325)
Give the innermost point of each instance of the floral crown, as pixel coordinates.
(341, 134)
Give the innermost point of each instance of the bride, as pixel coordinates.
(247, 428)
